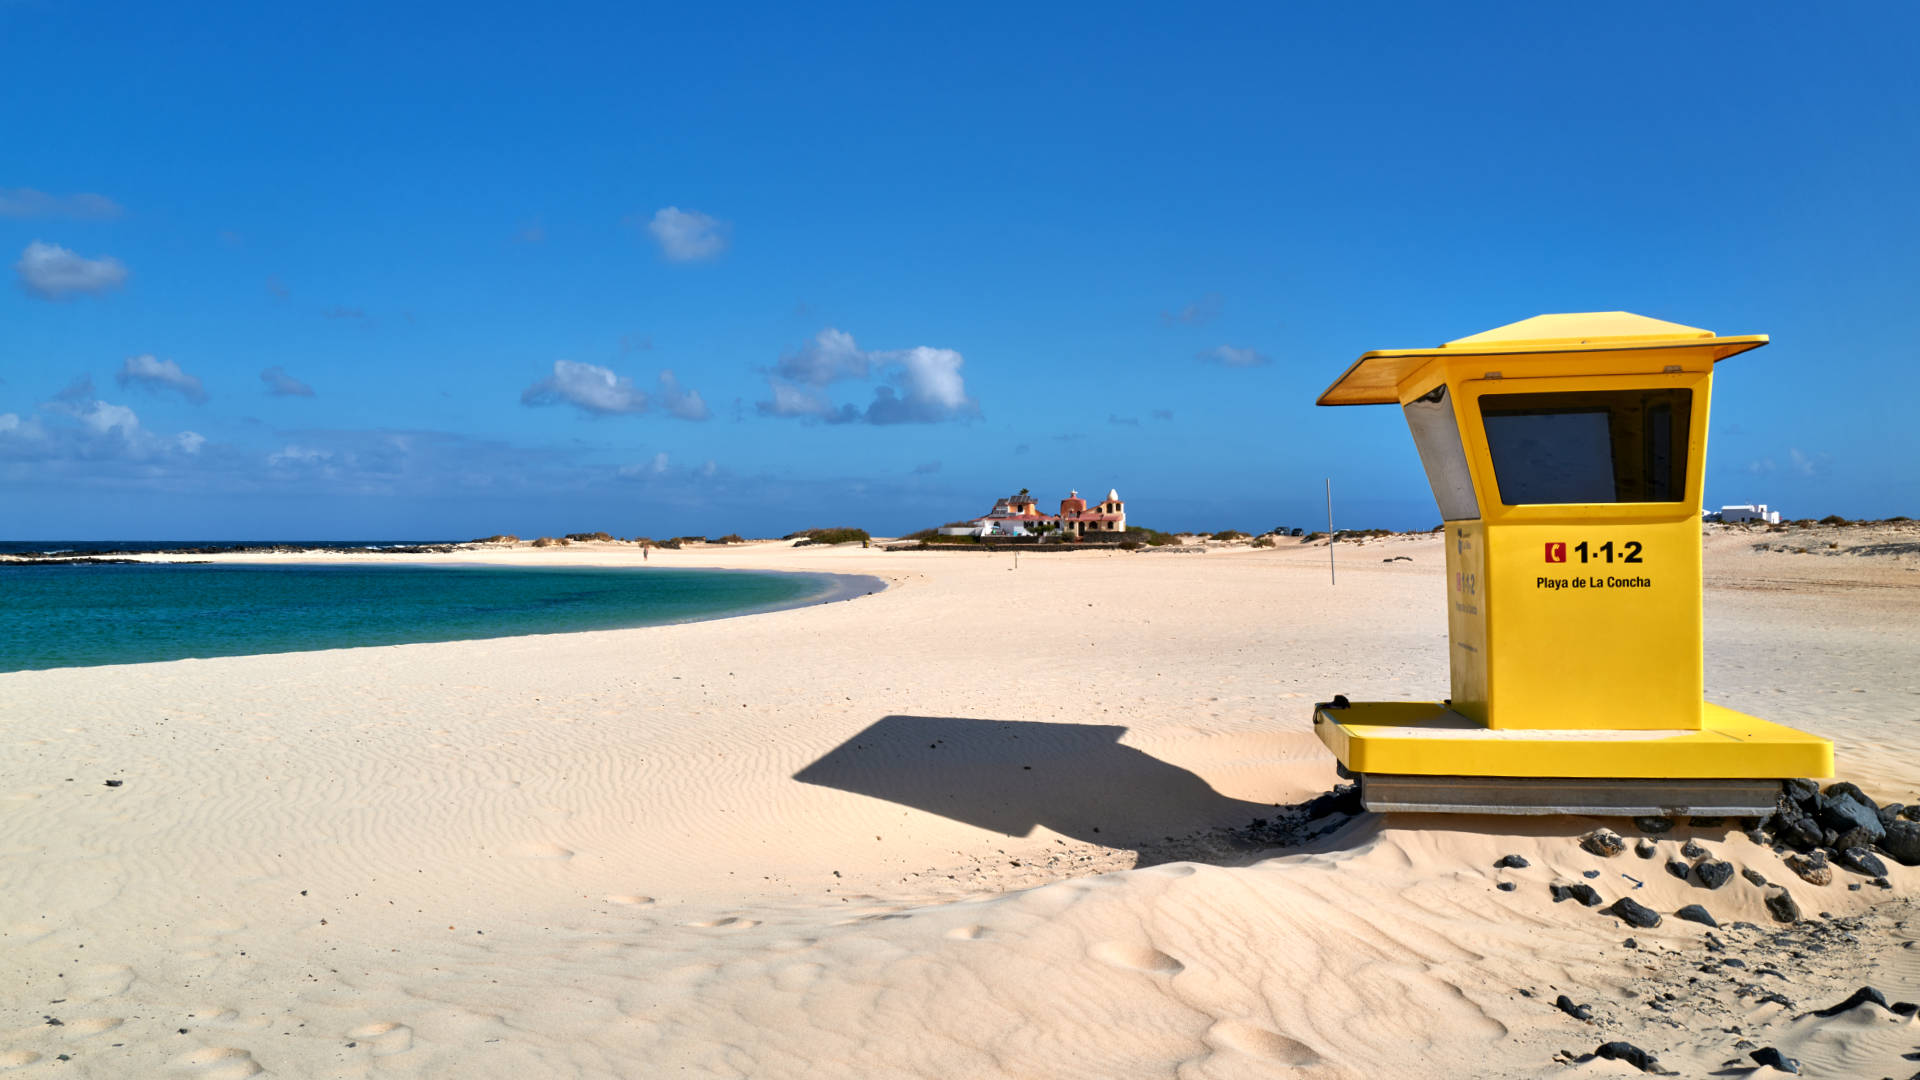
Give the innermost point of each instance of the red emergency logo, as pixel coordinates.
(1556, 552)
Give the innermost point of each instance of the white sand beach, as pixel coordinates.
(979, 824)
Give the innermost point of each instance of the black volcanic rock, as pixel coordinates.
(1633, 913)
(1902, 842)
(1866, 995)
(1781, 906)
(1653, 824)
(1862, 861)
(1774, 1059)
(1511, 862)
(1713, 873)
(1578, 1012)
(1696, 913)
(1678, 868)
(1581, 892)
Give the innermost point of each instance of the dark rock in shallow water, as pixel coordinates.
(1812, 869)
(1505, 886)
(1511, 862)
(1678, 868)
(1692, 849)
(1582, 893)
(1645, 848)
(1753, 876)
(1902, 842)
(1632, 1055)
(1653, 824)
(1633, 913)
(1603, 842)
(1866, 995)
(1774, 1059)
(1696, 913)
(1713, 873)
(1781, 906)
(1861, 860)
(1578, 1012)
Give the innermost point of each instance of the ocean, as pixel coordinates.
(80, 615)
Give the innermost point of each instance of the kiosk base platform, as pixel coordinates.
(1423, 756)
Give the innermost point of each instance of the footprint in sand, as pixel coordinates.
(633, 898)
(94, 1025)
(13, 1059)
(729, 922)
(218, 1063)
(967, 933)
(540, 851)
(384, 1037)
(1247, 1037)
(1135, 958)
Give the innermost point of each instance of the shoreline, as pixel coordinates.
(828, 588)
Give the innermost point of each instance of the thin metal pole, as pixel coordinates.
(1330, 577)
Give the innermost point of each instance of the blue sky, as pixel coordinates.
(352, 271)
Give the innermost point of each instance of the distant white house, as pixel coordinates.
(1020, 515)
(1744, 512)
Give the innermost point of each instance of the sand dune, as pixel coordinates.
(989, 822)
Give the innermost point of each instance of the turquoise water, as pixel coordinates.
(82, 615)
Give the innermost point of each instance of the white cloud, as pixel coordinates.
(831, 355)
(28, 203)
(588, 387)
(103, 418)
(281, 384)
(156, 374)
(922, 385)
(682, 403)
(295, 454)
(190, 441)
(655, 467)
(51, 272)
(594, 389)
(931, 389)
(1234, 356)
(688, 235)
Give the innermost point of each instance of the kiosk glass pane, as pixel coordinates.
(1588, 446)
(1437, 436)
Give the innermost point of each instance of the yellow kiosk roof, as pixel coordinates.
(1374, 379)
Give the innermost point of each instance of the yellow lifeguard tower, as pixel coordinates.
(1566, 453)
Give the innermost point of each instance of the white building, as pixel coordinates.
(1745, 512)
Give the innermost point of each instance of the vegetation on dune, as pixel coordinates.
(730, 538)
(550, 541)
(498, 538)
(1833, 519)
(828, 536)
(1263, 542)
(1139, 534)
(1230, 534)
(581, 538)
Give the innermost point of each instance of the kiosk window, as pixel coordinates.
(1588, 446)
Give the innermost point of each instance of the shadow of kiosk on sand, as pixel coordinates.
(1078, 780)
